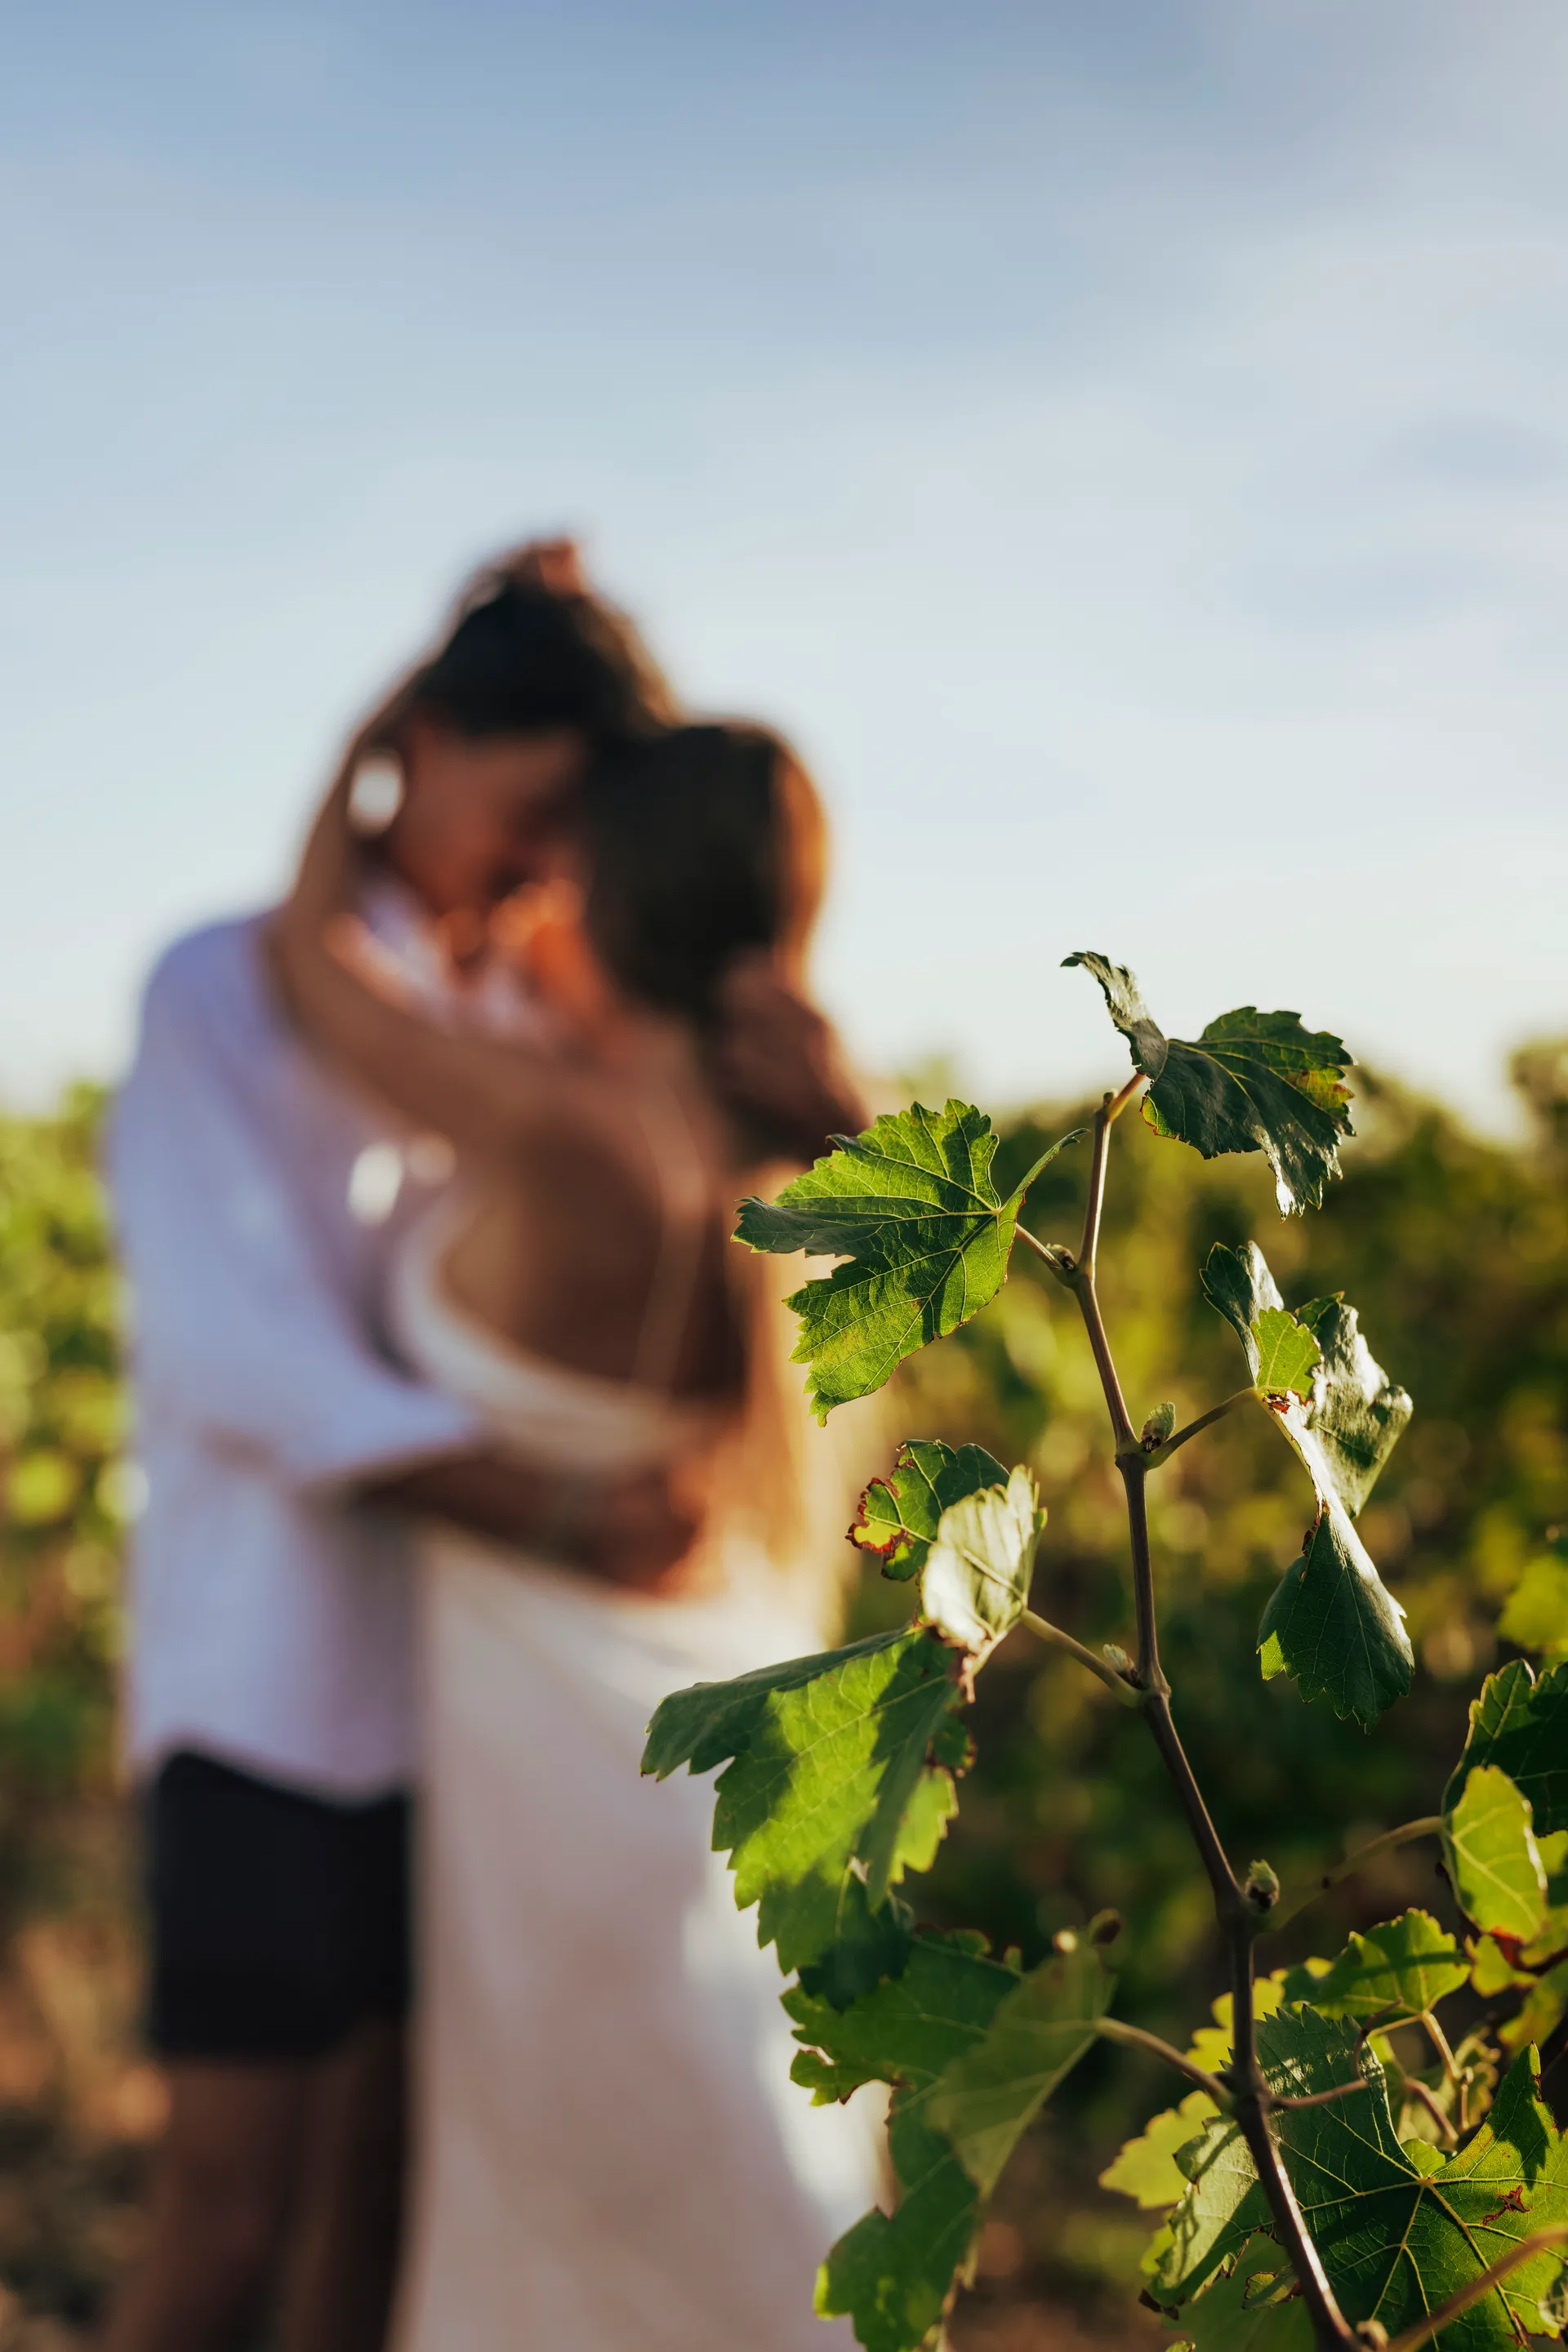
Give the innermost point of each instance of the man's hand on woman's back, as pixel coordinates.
(634, 1532)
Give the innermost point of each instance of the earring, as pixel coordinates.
(376, 794)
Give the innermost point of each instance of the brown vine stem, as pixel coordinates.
(1042, 1628)
(1415, 2089)
(1157, 1454)
(1325, 2098)
(1439, 2040)
(1251, 2098)
(1429, 1825)
(1427, 2331)
(1115, 2029)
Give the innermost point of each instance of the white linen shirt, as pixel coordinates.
(258, 1201)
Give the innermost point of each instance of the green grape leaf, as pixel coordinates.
(1402, 1968)
(1252, 1082)
(1287, 1355)
(924, 1234)
(897, 1517)
(869, 1942)
(1551, 1940)
(1396, 2236)
(1491, 1969)
(1541, 2012)
(975, 1580)
(1536, 1613)
(1353, 1415)
(1493, 1860)
(1145, 2169)
(838, 1767)
(1520, 1724)
(1357, 1413)
(1221, 2209)
(1211, 2044)
(896, 2275)
(1331, 1623)
(972, 2051)
(990, 2094)
(1256, 2309)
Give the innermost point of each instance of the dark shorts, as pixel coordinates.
(279, 1921)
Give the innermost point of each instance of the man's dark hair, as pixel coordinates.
(523, 656)
(529, 650)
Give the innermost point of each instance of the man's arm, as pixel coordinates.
(631, 1533)
(242, 1336)
(240, 1331)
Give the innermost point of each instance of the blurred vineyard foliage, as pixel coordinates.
(62, 1432)
(75, 2105)
(1456, 1252)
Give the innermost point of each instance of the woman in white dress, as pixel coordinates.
(611, 2158)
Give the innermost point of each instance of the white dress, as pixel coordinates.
(611, 2155)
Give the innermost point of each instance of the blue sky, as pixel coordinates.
(1123, 441)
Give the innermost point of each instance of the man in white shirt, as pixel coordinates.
(271, 1721)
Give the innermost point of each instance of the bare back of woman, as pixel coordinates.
(607, 1256)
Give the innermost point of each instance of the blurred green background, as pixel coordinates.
(1455, 1250)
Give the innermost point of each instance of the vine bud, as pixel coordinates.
(1104, 1928)
(1262, 1887)
(1065, 1940)
(1116, 1658)
(1158, 1427)
(1374, 2333)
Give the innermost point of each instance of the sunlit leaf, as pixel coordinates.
(1145, 2169)
(1491, 1969)
(1287, 1354)
(1535, 1615)
(894, 2274)
(910, 1208)
(1492, 1857)
(1256, 2309)
(972, 2051)
(1211, 2044)
(1396, 2236)
(1551, 1940)
(1404, 1968)
(1252, 1082)
(1520, 1724)
(1332, 1623)
(838, 1766)
(976, 1581)
(1353, 1414)
(1540, 2013)
(897, 1517)
(987, 2097)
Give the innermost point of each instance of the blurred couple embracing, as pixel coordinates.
(469, 1436)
